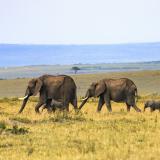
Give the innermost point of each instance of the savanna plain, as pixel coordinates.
(85, 135)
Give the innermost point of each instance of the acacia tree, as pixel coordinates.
(75, 69)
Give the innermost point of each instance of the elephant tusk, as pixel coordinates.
(85, 98)
(23, 97)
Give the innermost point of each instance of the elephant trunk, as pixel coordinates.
(84, 100)
(23, 104)
(83, 103)
(25, 99)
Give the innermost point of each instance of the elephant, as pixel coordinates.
(153, 105)
(54, 104)
(51, 87)
(117, 90)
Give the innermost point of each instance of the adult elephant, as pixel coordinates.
(118, 90)
(51, 87)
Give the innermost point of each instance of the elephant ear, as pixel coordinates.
(100, 88)
(38, 86)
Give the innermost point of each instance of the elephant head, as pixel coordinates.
(95, 90)
(33, 88)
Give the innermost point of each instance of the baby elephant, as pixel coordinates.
(153, 105)
(52, 105)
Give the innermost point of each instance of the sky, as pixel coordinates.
(79, 21)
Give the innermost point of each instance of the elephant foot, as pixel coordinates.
(50, 110)
(98, 111)
(138, 110)
(37, 112)
(77, 110)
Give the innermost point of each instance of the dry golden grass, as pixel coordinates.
(87, 135)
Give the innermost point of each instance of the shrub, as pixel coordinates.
(18, 131)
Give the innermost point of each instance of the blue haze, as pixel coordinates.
(23, 55)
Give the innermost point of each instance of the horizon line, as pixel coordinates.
(79, 44)
(136, 62)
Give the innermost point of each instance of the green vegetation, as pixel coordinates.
(75, 69)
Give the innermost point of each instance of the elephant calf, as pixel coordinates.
(53, 105)
(153, 105)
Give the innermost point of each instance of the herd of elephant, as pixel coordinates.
(59, 91)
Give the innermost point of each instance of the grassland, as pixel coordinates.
(87, 135)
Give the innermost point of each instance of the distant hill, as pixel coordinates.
(37, 70)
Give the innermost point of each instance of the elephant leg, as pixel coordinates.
(108, 104)
(66, 106)
(53, 109)
(136, 108)
(39, 104)
(100, 103)
(50, 107)
(44, 107)
(131, 102)
(128, 107)
(42, 101)
(74, 103)
(107, 101)
(152, 109)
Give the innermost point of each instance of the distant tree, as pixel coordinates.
(75, 69)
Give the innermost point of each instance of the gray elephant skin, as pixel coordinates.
(51, 87)
(153, 105)
(52, 105)
(117, 90)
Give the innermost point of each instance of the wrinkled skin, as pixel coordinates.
(51, 88)
(153, 105)
(117, 90)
